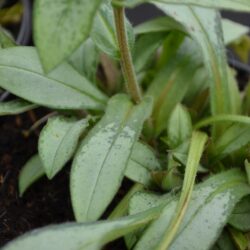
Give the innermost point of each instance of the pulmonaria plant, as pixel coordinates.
(168, 112)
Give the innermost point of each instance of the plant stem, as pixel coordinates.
(126, 58)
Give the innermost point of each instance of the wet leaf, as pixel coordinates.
(96, 173)
(64, 88)
(60, 27)
(15, 107)
(58, 142)
(30, 173)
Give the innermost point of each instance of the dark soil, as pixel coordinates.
(46, 202)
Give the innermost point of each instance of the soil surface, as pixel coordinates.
(46, 202)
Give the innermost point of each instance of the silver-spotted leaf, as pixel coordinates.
(75, 236)
(99, 165)
(64, 88)
(211, 204)
(60, 27)
(58, 142)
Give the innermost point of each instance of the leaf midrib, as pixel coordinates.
(89, 204)
(52, 79)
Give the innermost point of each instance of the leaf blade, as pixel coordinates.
(96, 160)
(60, 27)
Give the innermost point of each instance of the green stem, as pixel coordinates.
(126, 58)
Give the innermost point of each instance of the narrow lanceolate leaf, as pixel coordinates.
(64, 88)
(104, 35)
(75, 236)
(60, 27)
(239, 5)
(198, 141)
(172, 80)
(179, 126)
(211, 204)
(58, 142)
(146, 46)
(204, 25)
(15, 107)
(30, 172)
(141, 164)
(96, 173)
(234, 138)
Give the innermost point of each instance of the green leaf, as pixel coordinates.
(15, 107)
(239, 238)
(141, 164)
(247, 168)
(159, 24)
(145, 47)
(239, 5)
(58, 142)
(234, 138)
(224, 242)
(96, 173)
(75, 236)
(179, 126)
(223, 118)
(204, 26)
(104, 34)
(211, 204)
(197, 145)
(172, 80)
(240, 217)
(233, 31)
(85, 60)
(6, 40)
(60, 27)
(64, 88)
(31, 172)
